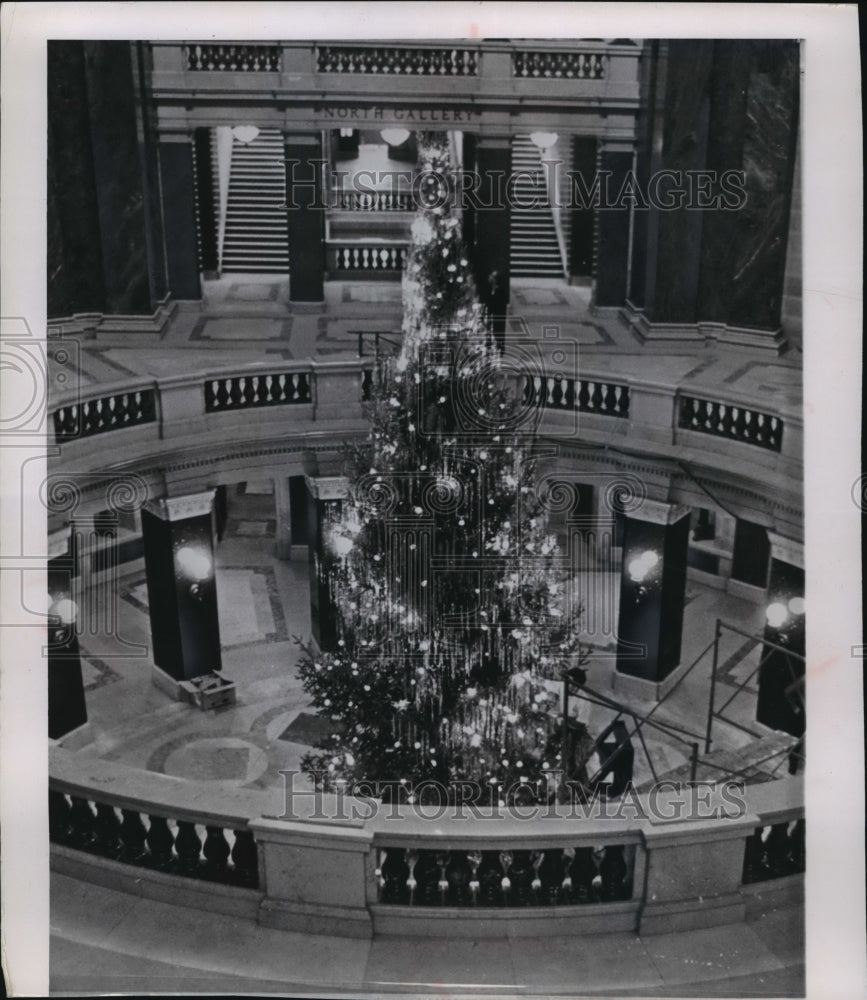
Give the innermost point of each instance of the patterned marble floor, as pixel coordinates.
(264, 604)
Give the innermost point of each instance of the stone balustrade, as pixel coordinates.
(193, 412)
(442, 83)
(347, 866)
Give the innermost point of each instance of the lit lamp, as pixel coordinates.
(245, 134)
(395, 136)
(196, 565)
(543, 140)
(643, 570)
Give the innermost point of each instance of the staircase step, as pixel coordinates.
(534, 248)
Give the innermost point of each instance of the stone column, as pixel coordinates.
(177, 176)
(716, 166)
(178, 537)
(652, 589)
(325, 496)
(491, 257)
(305, 216)
(780, 703)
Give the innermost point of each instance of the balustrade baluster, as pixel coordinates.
(133, 835)
(189, 847)
(81, 822)
(583, 394)
(245, 858)
(216, 851)
(107, 831)
(59, 817)
(160, 843)
(223, 392)
(236, 390)
(596, 396)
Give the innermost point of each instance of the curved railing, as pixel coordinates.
(343, 865)
(147, 422)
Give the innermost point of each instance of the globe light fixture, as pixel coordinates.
(641, 566)
(797, 606)
(196, 565)
(543, 140)
(776, 614)
(64, 610)
(395, 136)
(245, 134)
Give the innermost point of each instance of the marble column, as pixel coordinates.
(178, 535)
(652, 590)
(305, 215)
(781, 702)
(326, 494)
(491, 257)
(177, 175)
(716, 161)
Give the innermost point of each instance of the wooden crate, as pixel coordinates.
(209, 691)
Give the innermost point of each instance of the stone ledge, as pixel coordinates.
(179, 890)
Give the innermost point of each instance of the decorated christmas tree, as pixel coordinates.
(454, 619)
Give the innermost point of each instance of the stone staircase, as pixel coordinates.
(255, 238)
(534, 250)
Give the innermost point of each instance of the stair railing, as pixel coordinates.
(552, 167)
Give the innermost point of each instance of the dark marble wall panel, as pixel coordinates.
(728, 102)
(684, 147)
(111, 102)
(646, 223)
(179, 219)
(305, 218)
(770, 135)
(75, 282)
(612, 265)
(493, 230)
(148, 149)
(581, 236)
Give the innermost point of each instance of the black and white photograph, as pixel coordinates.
(425, 430)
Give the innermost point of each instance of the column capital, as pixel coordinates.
(786, 550)
(180, 508)
(658, 512)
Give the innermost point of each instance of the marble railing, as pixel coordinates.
(346, 866)
(739, 423)
(244, 405)
(363, 258)
(399, 60)
(556, 876)
(374, 201)
(437, 79)
(139, 819)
